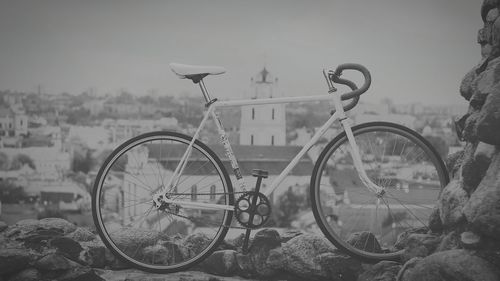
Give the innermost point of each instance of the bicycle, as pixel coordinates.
(173, 188)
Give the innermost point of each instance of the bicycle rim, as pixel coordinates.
(171, 238)
(355, 219)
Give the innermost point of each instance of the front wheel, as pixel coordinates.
(171, 237)
(355, 219)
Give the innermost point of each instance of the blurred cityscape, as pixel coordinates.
(52, 145)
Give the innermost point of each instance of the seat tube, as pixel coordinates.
(204, 90)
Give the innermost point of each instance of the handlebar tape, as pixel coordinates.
(355, 91)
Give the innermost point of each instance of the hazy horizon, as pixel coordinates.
(417, 51)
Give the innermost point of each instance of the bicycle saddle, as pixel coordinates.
(190, 71)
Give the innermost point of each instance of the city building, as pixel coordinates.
(263, 124)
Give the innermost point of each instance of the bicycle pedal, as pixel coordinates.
(260, 173)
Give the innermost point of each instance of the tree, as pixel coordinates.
(82, 163)
(20, 160)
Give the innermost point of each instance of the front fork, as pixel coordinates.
(355, 153)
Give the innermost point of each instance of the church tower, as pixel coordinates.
(263, 124)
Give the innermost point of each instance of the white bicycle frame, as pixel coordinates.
(211, 111)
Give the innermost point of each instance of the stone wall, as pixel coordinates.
(465, 239)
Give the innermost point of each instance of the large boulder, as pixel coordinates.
(24, 227)
(451, 203)
(13, 260)
(483, 208)
(264, 241)
(298, 254)
(457, 265)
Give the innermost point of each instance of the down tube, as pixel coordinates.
(301, 153)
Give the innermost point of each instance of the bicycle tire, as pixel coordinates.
(343, 229)
(169, 243)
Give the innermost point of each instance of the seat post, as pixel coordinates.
(204, 91)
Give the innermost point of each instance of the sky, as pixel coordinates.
(416, 51)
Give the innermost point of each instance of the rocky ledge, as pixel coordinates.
(55, 249)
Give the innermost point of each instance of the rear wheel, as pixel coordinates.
(362, 223)
(175, 236)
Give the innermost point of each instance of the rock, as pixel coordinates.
(67, 247)
(3, 226)
(486, 7)
(435, 224)
(449, 241)
(245, 265)
(466, 87)
(473, 169)
(21, 228)
(289, 234)
(53, 262)
(469, 131)
(80, 274)
(454, 162)
(470, 240)
(28, 274)
(94, 253)
(195, 243)
(167, 253)
(492, 15)
(82, 234)
(38, 239)
(409, 265)
(237, 242)
(137, 275)
(130, 239)
(298, 256)
(488, 121)
(382, 271)
(451, 265)
(365, 241)
(484, 152)
(403, 237)
(483, 208)
(451, 203)
(420, 245)
(13, 260)
(339, 266)
(484, 84)
(263, 241)
(222, 263)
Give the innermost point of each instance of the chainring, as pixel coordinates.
(244, 210)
